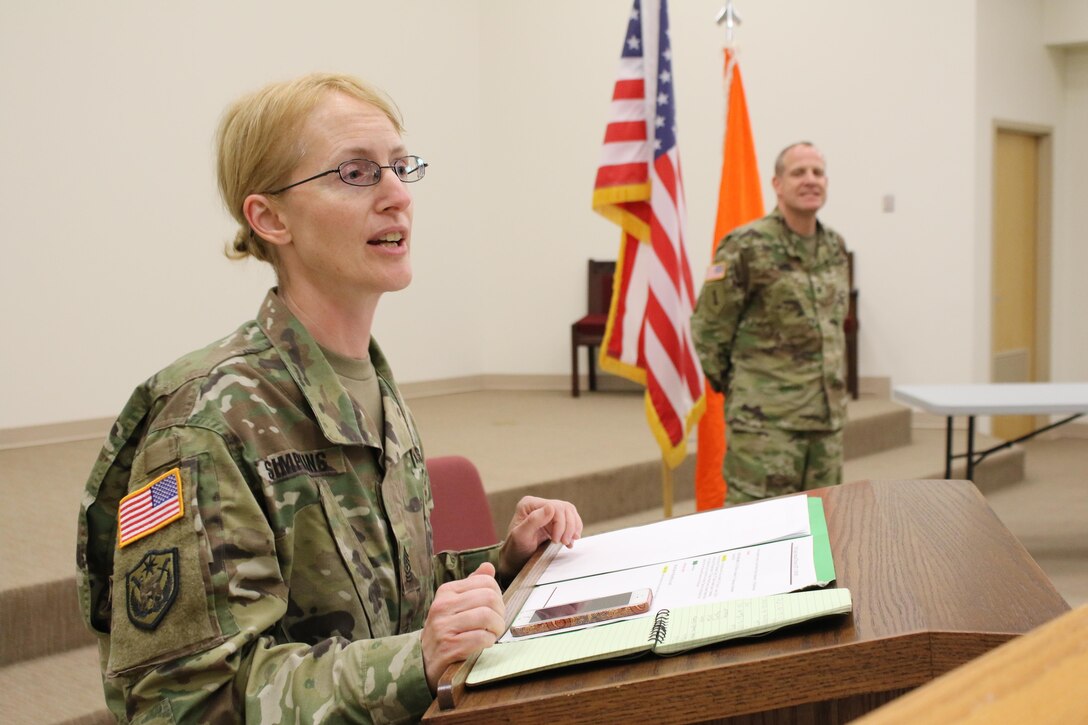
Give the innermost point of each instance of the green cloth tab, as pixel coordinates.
(821, 543)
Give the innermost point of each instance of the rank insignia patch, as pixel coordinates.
(150, 508)
(715, 272)
(151, 587)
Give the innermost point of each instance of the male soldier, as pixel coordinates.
(768, 329)
(255, 541)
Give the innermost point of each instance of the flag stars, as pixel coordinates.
(674, 391)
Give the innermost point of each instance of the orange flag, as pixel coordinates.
(740, 200)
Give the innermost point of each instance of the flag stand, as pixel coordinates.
(666, 489)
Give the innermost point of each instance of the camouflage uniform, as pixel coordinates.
(296, 581)
(768, 329)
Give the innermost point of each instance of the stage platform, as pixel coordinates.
(595, 450)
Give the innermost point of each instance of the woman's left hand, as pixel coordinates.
(535, 521)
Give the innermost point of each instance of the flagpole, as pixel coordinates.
(740, 201)
(728, 16)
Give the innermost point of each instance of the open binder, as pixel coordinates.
(766, 548)
(667, 632)
(780, 545)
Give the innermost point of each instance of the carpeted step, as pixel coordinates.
(615, 491)
(64, 688)
(875, 425)
(602, 494)
(922, 458)
(40, 619)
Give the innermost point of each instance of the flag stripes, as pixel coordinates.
(639, 187)
(150, 508)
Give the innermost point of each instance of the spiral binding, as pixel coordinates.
(661, 626)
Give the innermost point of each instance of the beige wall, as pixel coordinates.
(1065, 22)
(114, 230)
(1025, 83)
(113, 264)
(1070, 346)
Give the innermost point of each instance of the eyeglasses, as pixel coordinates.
(364, 172)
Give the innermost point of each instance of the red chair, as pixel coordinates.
(589, 330)
(461, 518)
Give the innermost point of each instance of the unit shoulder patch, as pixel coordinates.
(151, 587)
(150, 508)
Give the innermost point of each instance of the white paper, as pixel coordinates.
(681, 538)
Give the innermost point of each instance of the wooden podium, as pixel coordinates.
(936, 579)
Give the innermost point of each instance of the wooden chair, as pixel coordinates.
(461, 518)
(588, 331)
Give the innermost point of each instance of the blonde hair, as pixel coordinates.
(258, 144)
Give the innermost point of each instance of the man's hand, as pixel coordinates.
(535, 521)
(467, 615)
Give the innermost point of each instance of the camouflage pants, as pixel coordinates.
(771, 462)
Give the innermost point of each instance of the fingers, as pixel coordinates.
(535, 521)
(485, 569)
(467, 615)
(558, 520)
(468, 604)
(572, 523)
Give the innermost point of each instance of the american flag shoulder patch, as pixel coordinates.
(715, 272)
(150, 508)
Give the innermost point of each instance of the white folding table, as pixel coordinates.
(994, 399)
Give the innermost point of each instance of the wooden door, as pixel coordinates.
(1015, 258)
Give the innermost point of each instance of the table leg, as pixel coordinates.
(948, 449)
(970, 448)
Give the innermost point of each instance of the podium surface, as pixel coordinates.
(936, 580)
(1037, 678)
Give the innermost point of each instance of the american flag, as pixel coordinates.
(150, 508)
(638, 186)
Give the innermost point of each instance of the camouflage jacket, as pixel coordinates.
(249, 547)
(768, 327)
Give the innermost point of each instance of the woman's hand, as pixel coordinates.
(467, 615)
(535, 521)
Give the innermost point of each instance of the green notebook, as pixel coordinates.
(667, 632)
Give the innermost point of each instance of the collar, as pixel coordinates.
(333, 408)
(792, 238)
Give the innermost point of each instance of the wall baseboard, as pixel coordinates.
(35, 435)
(1076, 429)
(474, 383)
(922, 419)
(875, 387)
